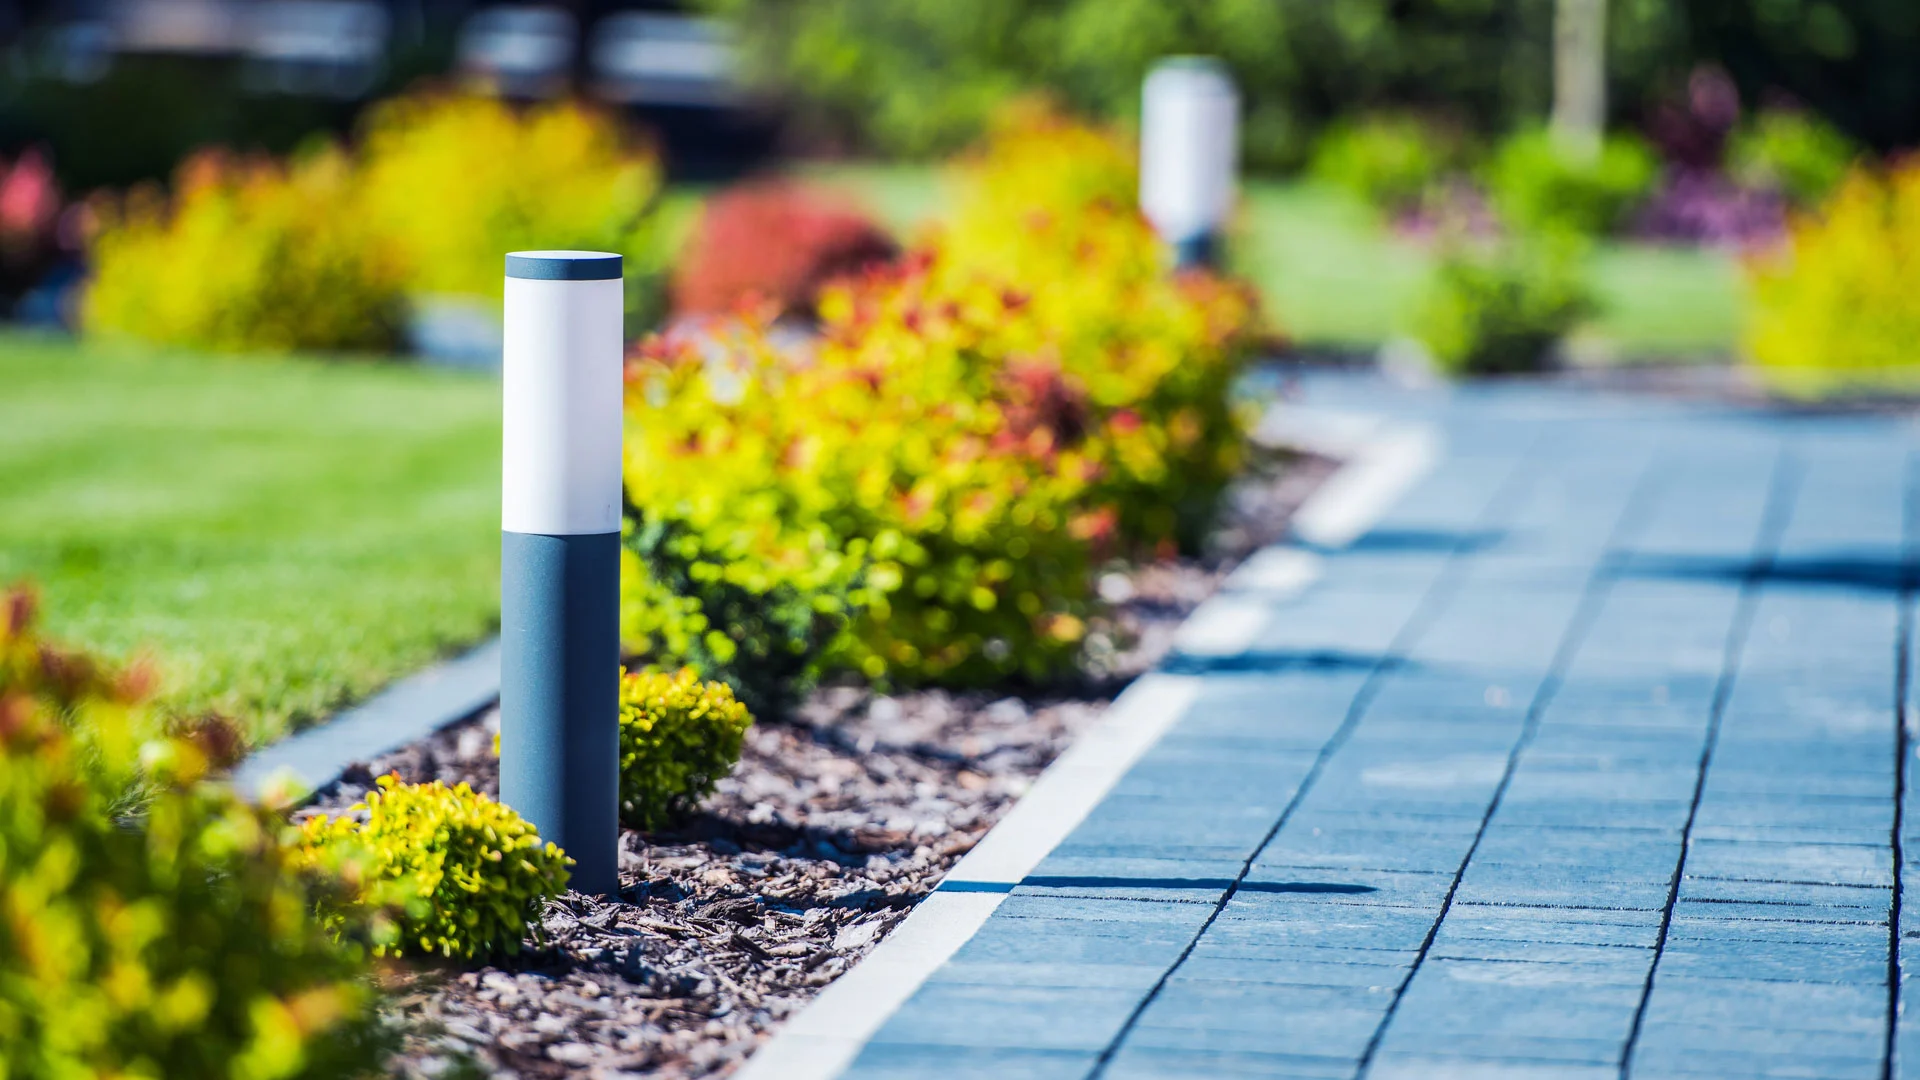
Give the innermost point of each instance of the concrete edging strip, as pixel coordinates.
(406, 712)
(825, 1037)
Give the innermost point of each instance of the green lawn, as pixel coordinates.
(282, 536)
(1331, 275)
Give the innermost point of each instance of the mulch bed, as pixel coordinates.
(836, 822)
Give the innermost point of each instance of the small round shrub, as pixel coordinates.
(775, 242)
(1836, 307)
(736, 602)
(176, 940)
(437, 871)
(1538, 185)
(1794, 153)
(1500, 310)
(678, 737)
(1388, 162)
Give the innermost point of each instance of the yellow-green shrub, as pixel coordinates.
(455, 181)
(1836, 307)
(1047, 215)
(939, 471)
(439, 871)
(179, 942)
(1797, 154)
(678, 737)
(1499, 310)
(322, 252)
(246, 256)
(1388, 161)
(1538, 185)
(729, 568)
(957, 540)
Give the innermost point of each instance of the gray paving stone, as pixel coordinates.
(1817, 898)
(888, 1061)
(1822, 864)
(1735, 1004)
(1135, 1062)
(1467, 1067)
(1099, 972)
(1614, 962)
(1316, 1021)
(1556, 1052)
(1372, 969)
(1077, 1018)
(1547, 885)
(1733, 1061)
(1252, 924)
(1504, 922)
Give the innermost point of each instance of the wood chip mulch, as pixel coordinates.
(836, 822)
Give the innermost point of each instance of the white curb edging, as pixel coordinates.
(826, 1036)
(1381, 462)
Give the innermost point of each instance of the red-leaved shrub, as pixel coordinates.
(776, 242)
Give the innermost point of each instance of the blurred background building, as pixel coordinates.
(121, 90)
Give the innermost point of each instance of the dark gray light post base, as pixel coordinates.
(560, 695)
(1197, 252)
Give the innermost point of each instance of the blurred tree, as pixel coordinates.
(919, 77)
(1857, 62)
(1580, 76)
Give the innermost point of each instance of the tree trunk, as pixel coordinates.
(1579, 75)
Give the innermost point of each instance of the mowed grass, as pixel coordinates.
(1332, 275)
(281, 536)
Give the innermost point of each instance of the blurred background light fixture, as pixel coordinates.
(652, 58)
(335, 48)
(518, 50)
(1189, 153)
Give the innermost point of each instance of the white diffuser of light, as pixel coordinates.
(1189, 153)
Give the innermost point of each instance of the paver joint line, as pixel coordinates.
(1604, 571)
(1435, 598)
(1902, 753)
(1773, 525)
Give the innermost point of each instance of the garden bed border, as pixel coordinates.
(1379, 462)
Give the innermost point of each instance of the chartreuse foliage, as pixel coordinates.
(1388, 161)
(1500, 309)
(1538, 185)
(1794, 153)
(678, 737)
(920, 76)
(454, 181)
(248, 255)
(439, 871)
(322, 253)
(179, 942)
(921, 494)
(1047, 216)
(1836, 308)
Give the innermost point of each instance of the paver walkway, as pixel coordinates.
(1580, 762)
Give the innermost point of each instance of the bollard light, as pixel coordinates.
(1189, 154)
(560, 555)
